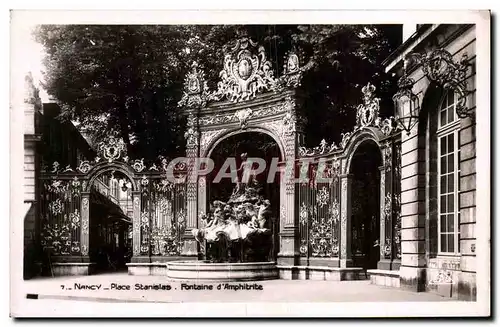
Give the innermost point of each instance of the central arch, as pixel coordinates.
(207, 152)
(255, 144)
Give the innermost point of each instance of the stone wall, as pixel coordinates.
(420, 262)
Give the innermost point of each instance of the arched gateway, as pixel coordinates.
(318, 228)
(249, 98)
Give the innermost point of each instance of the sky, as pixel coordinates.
(26, 56)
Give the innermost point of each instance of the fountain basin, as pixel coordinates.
(226, 271)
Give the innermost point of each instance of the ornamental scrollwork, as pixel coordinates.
(85, 203)
(388, 206)
(85, 226)
(303, 214)
(112, 148)
(323, 197)
(345, 139)
(321, 237)
(256, 113)
(246, 72)
(195, 89)
(165, 241)
(84, 167)
(74, 218)
(292, 69)
(138, 165)
(144, 183)
(56, 238)
(387, 249)
(85, 250)
(303, 247)
(144, 221)
(322, 148)
(368, 112)
(76, 187)
(191, 136)
(397, 225)
(56, 207)
(207, 137)
(440, 67)
(163, 186)
(166, 206)
(243, 115)
(335, 211)
(75, 246)
(289, 120)
(388, 158)
(57, 187)
(397, 169)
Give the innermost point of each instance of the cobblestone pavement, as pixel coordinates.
(126, 288)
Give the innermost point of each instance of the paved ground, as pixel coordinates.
(128, 289)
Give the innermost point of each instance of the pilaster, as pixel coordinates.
(345, 221)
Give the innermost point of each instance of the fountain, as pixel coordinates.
(236, 240)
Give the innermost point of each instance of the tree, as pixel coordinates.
(129, 79)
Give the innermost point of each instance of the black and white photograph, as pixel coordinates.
(241, 162)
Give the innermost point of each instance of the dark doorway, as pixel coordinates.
(110, 225)
(257, 145)
(365, 199)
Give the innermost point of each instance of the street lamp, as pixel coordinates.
(406, 102)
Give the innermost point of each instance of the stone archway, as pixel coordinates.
(225, 154)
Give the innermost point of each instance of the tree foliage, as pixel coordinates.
(128, 79)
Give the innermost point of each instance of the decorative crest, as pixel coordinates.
(292, 69)
(195, 88)
(246, 72)
(367, 113)
(112, 148)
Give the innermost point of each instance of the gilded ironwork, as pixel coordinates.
(367, 113)
(56, 239)
(246, 72)
(195, 89)
(112, 148)
(440, 67)
(323, 197)
(138, 165)
(74, 218)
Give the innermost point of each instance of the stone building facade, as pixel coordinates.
(438, 168)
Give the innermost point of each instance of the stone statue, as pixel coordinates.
(237, 230)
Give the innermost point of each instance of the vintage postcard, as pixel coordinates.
(250, 164)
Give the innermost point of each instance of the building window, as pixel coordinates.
(448, 176)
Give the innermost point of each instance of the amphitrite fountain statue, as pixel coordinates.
(238, 230)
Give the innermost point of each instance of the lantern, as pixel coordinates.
(406, 102)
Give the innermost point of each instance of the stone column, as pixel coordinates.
(345, 221)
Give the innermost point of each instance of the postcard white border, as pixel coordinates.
(21, 306)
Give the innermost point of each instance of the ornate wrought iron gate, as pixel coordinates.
(157, 211)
